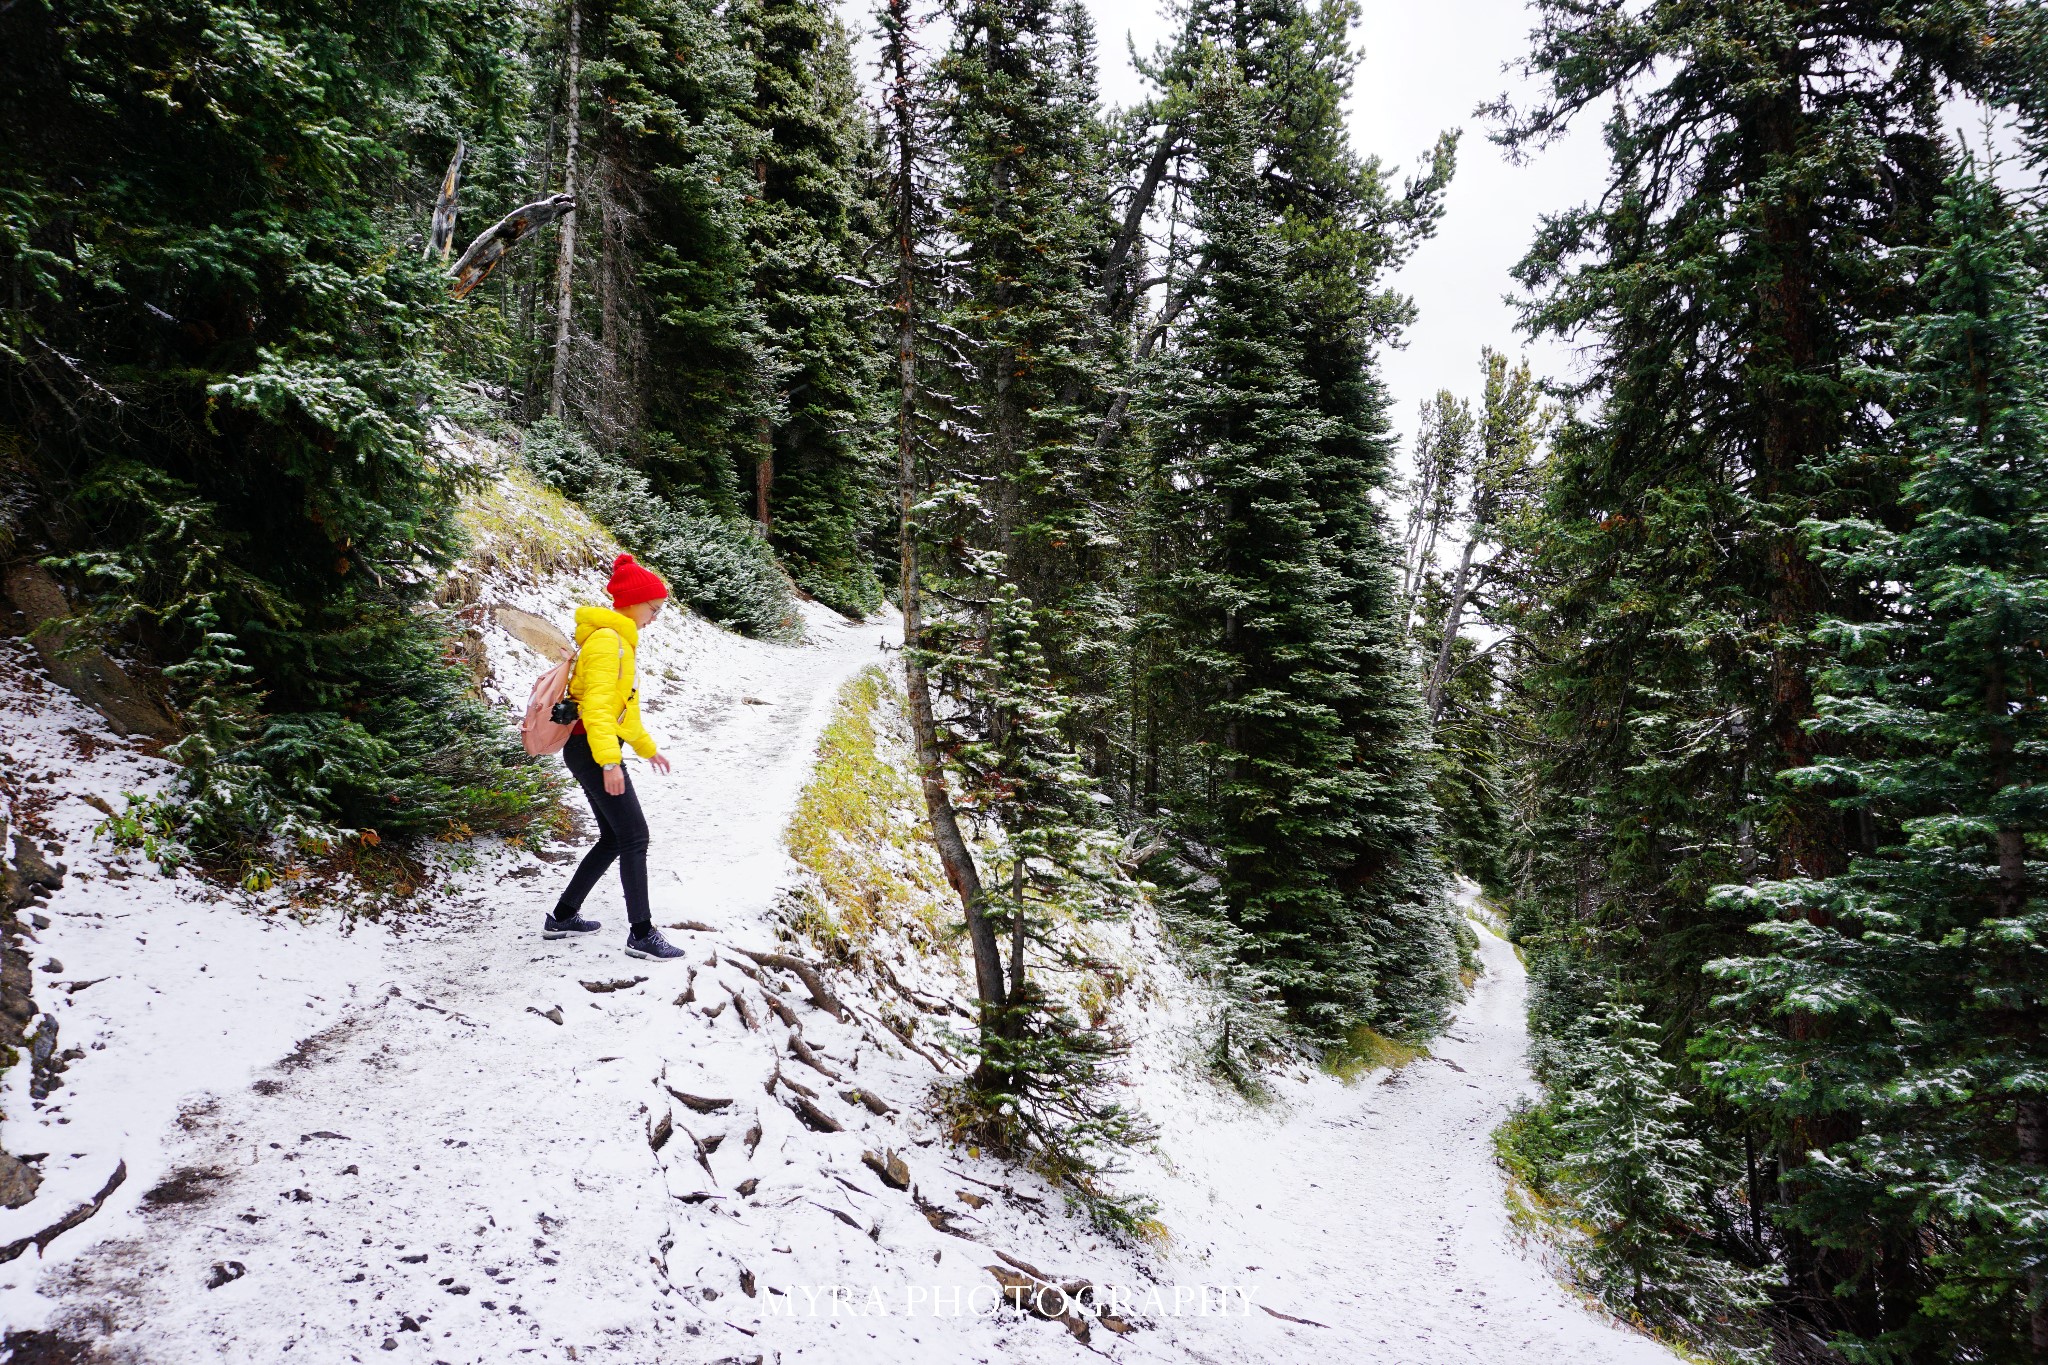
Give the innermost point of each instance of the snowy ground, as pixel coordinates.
(376, 1144)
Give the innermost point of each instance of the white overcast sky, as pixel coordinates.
(1428, 64)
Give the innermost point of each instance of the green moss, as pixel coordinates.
(518, 524)
(1365, 1050)
(859, 831)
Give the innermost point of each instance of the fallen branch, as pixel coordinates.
(808, 1055)
(746, 1011)
(903, 1036)
(703, 1156)
(928, 1004)
(41, 1240)
(815, 1118)
(841, 1215)
(777, 1077)
(494, 242)
(867, 1100)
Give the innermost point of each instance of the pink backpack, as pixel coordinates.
(540, 731)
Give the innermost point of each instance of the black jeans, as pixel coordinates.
(622, 837)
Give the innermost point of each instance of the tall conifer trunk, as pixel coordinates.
(1454, 615)
(954, 854)
(565, 268)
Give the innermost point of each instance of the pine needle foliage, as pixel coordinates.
(220, 347)
(1908, 990)
(1275, 590)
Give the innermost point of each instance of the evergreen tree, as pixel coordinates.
(672, 366)
(218, 351)
(682, 371)
(1027, 212)
(1443, 462)
(1258, 596)
(809, 226)
(1770, 164)
(1635, 1175)
(1913, 981)
(1289, 759)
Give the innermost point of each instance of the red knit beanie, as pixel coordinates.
(632, 584)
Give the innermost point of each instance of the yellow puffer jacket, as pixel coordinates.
(605, 683)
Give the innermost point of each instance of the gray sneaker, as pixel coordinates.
(550, 927)
(649, 943)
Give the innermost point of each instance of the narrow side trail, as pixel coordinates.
(1376, 1209)
(441, 1154)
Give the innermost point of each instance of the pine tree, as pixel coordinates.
(220, 345)
(1634, 1174)
(678, 370)
(816, 478)
(1769, 162)
(1914, 978)
(1444, 457)
(1266, 582)
(1027, 208)
(1257, 595)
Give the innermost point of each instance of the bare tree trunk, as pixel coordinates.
(1454, 614)
(441, 229)
(565, 268)
(1125, 247)
(764, 473)
(1425, 551)
(954, 854)
(1017, 929)
(764, 463)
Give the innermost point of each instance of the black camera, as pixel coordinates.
(565, 712)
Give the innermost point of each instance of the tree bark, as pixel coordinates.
(1440, 676)
(764, 473)
(441, 231)
(1124, 249)
(495, 242)
(954, 854)
(565, 268)
(764, 462)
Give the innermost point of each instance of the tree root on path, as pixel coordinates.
(41, 1240)
(808, 974)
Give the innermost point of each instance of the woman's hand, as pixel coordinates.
(614, 779)
(659, 763)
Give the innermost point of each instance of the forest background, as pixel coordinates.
(1716, 659)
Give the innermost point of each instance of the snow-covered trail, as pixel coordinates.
(340, 1146)
(1376, 1209)
(442, 1154)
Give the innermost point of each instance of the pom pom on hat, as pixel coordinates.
(632, 584)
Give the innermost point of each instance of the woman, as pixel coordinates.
(605, 687)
